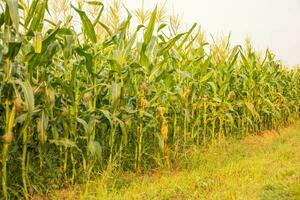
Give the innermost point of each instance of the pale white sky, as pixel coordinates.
(270, 23)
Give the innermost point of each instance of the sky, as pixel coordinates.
(273, 24)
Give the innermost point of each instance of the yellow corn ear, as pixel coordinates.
(38, 42)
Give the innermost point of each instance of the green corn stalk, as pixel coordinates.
(8, 137)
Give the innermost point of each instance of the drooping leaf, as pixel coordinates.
(89, 61)
(88, 27)
(28, 95)
(94, 148)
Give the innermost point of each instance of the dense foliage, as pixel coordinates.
(74, 103)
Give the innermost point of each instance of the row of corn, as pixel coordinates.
(72, 102)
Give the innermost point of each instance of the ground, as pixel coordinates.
(263, 167)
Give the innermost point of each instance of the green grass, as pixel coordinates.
(258, 167)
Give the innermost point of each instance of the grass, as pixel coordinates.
(258, 167)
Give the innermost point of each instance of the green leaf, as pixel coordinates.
(87, 25)
(123, 130)
(162, 26)
(28, 95)
(84, 124)
(89, 61)
(106, 28)
(115, 91)
(234, 55)
(187, 36)
(107, 115)
(42, 127)
(252, 109)
(31, 11)
(38, 16)
(13, 50)
(150, 27)
(206, 77)
(66, 143)
(14, 12)
(97, 3)
(170, 44)
(94, 148)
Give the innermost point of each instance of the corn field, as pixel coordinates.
(73, 102)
